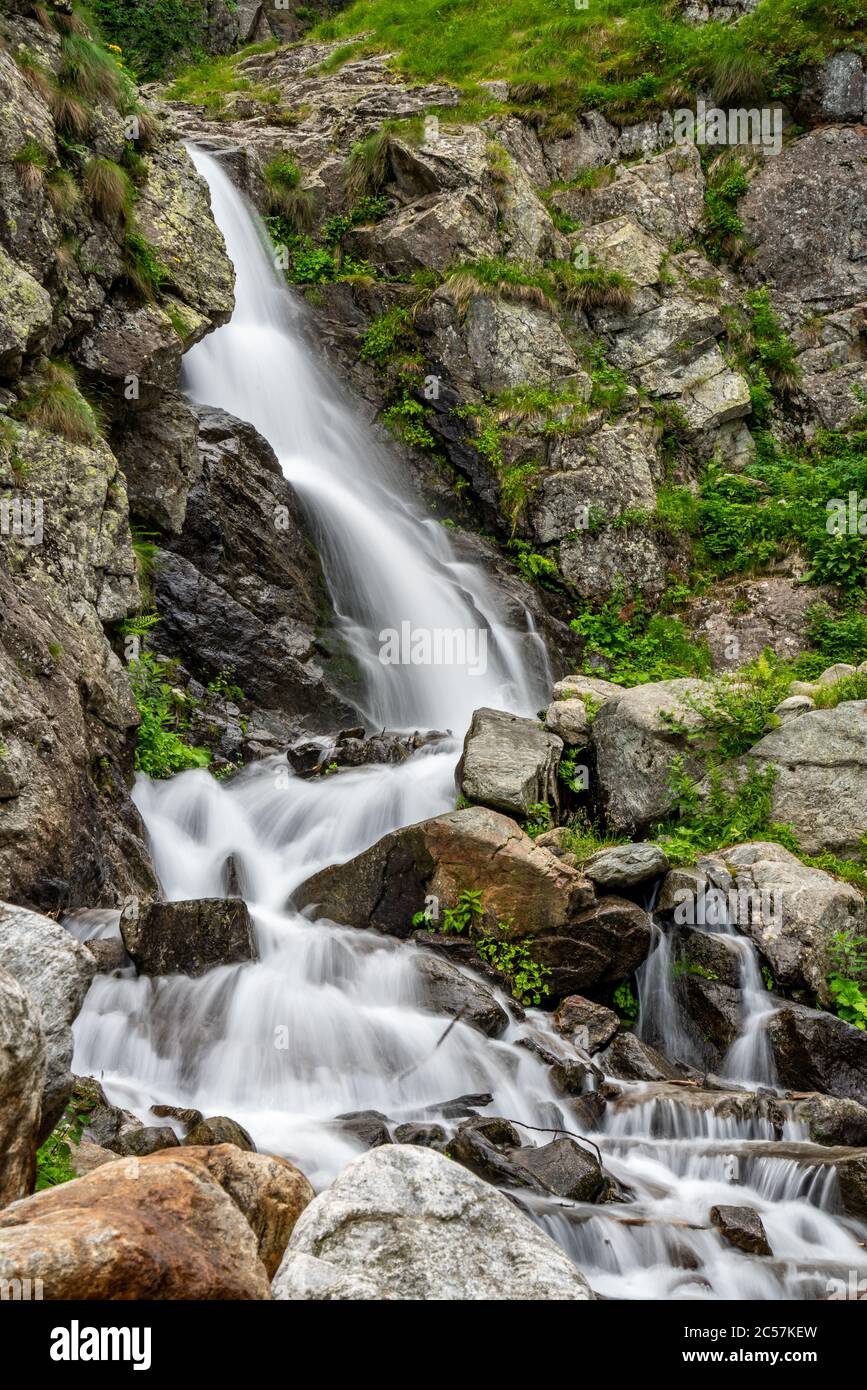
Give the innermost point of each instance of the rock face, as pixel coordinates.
(508, 763)
(821, 784)
(793, 912)
(22, 1076)
(636, 745)
(817, 1051)
(383, 887)
(240, 586)
(408, 1223)
(56, 972)
(183, 1224)
(189, 938)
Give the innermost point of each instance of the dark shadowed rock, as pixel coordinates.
(741, 1227)
(148, 1140)
(188, 938)
(428, 1136)
(22, 1074)
(369, 1127)
(492, 1149)
(630, 1059)
(819, 1052)
(445, 989)
(852, 1177)
(601, 945)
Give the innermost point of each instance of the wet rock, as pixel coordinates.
(157, 1227)
(109, 955)
(635, 745)
(461, 1106)
(508, 763)
(819, 1052)
(369, 1127)
(709, 954)
(630, 1059)
(586, 1023)
(219, 1129)
(563, 1168)
(56, 971)
(600, 946)
(159, 450)
(821, 784)
(792, 912)
(185, 1116)
(189, 938)
(416, 1226)
(428, 1136)
(625, 866)
(712, 1013)
(852, 1177)
(22, 1077)
(570, 1068)
(444, 989)
(833, 1121)
(106, 1125)
(383, 887)
(741, 1227)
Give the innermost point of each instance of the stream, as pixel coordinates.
(331, 1020)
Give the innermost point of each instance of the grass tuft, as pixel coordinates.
(55, 404)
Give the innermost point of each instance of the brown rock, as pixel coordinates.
(189, 938)
(589, 1024)
(741, 1227)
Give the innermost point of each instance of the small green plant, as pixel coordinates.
(110, 190)
(847, 980)
(143, 268)
(31, 164)
(460, 918)
(723, 816)
(634, 646)
(54, 403)
(625, 1004)
(387, 335)
(286, 194)
(525, 977)
(539, 819)
(160, 750)
(54, 1157)
(152, 33)
(727, 183)
(225, 686)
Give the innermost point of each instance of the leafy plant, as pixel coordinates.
(625, 1004)
(160, 749)
(54, 1157)
(525, 976)
(635, 647)
(152, 33)
(539, 819)
(848, 977)
(286, 194)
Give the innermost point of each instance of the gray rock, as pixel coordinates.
(219, 1129)
(189, 938)
(508, 763)
(821, 784)
(600, 946)
(741, 1227)
(819, 1052)
(444, 989)
(630, 1059)
(568, 719)
(842, 84)
(150, 1139)
(635, 747)
(664, 194)
(22, 1077)
(428, 1136)
(515, 345)
(625, 866)
(369, 1127)
(409, 1223)
(56, 971)
(743, 620)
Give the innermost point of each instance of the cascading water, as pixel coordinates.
(331, 1020)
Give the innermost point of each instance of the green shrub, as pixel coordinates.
(152, 33)
(726, 184)
(54, 403)
(524, 976)
(160, 749)
(847, 979)
(54, 1157)
(387, 335)
(109, 188)
(142, 266)
(633, 646)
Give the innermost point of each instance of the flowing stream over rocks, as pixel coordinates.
(331, 1020)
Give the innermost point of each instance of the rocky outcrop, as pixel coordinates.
(588, 1024)
(441, 858)
(818, 1052)
(189, 938)
(821, 777)
(637, 737)
(22, 1076)
(404, 1223)
(508, 763)
(741, 1227)
(56, 971)
(184, 1224)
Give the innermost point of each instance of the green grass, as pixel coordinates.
(53, 402)
(626, 57)
(636, 646)
(109, 189)
(142, 266)
(209, 81)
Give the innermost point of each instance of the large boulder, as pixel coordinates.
(22, 1074)
(447, 990)
(636, 745)
(56, 971)
(816, 1051)
(188, 938)
(821, 780)
(601, 946)
(586, 1023)
(441, 858)
(181, 1224)
(508, 763)
(410, 1224)
(626, 866)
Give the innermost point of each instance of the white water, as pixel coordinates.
(331, 1020)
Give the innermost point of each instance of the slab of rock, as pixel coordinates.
(56, 970)
(188, 938)
(270, 1192)
(852, 1177)
(383, 887)
(625, 866)
(816, 1051)
(219, 1129)
(445, 989)
(601, 946)
(821, 784)
(741, 1227)
(630, 1059)
(590, 1025)
(160, 1227)
(569, 720)
(508, 763)
(591, 689)
(635, 748)
(415, 1226)
(833, 1120)
(150, 1139)
(22, 1078)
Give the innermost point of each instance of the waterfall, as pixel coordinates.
(330, 1020)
